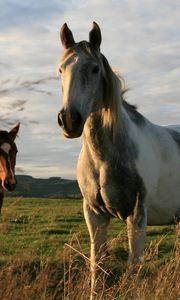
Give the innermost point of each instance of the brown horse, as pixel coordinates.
(8, 151)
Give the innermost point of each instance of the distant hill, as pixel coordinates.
(54, 187)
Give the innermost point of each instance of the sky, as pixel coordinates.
(140, 38)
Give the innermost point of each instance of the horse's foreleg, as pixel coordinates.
(97, 226)
(136, 228)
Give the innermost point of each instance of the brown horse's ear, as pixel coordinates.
(95, 36)
(66, 37)
(14, 131)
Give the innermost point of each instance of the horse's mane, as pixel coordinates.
(134, 115)
(113, 91)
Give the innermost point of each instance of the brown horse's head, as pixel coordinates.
(8, 151)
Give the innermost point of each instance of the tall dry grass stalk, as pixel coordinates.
(30, 277)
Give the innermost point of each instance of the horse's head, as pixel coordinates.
(8, 151)
(83, 77)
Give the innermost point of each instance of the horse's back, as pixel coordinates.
(174, 127)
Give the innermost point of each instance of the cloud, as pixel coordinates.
(22, 13)
(140, 38)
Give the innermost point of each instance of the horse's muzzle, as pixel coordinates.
(70, 123)
(10, 184)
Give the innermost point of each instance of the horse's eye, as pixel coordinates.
(60, 70)
(95, 69)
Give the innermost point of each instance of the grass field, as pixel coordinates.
(43, 248)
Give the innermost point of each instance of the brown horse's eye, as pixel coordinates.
(95, 69)
(60, 70)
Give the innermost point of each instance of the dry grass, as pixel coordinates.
(29, 278)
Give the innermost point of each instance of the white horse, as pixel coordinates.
(128, 167)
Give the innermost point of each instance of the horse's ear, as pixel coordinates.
(66, 37)
(95, 36)
(14, 131)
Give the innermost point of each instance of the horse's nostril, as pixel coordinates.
(60, 119)
(70, 121)
(10, 184)
(77, 119)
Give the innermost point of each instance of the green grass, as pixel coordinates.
(42, 243)
(39, 226)
(43, 226)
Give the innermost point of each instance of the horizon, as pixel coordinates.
(34, 177)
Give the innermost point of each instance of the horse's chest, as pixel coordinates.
(112, 190)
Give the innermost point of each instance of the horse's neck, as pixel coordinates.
(103, 141)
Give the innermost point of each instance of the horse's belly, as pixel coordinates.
(159, 215)
(153, 219)
(164, 206)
